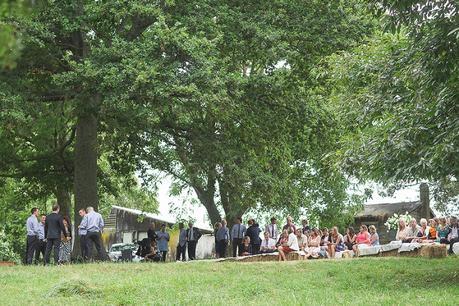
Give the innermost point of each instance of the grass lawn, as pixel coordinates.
(370, 281)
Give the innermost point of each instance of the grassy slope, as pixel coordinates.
(372, 281)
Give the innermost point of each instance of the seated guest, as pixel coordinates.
(423, 231)
(283, 238)
(412, 231)
(374, 237)
(324, 238)
(290, 246)
(302, 239)
(253, 231)
(313, 249)
(289, 226)
(402, 232)
(152, 252)
(268, 245)
(442, 230)
(362, 239)
(336, 243)
(246, 247)
(432, 235)
(349, 238)
(453, 235)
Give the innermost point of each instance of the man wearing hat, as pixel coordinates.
(163, 242)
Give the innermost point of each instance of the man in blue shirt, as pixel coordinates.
(41, 245)
(222, 238)
(94, 225)
(237, 234)
(32, 235)
(163, 242)
(82, 233)
(181, 246)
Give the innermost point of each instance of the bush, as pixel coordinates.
(6, 250)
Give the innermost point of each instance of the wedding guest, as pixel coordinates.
(374, 237)
(432, 233)
(163, 242)
(41, 247)
(283, 238)
(268, 245)
(402, 232)
(453, 235)
(223, 238)
(237, 235)
(272, 229)
(412, 231)
(32, 235)
(181, 245)
(336, 243)
(193, 235)
(302, 239)
(65, 249)
(246, 247)
(253, 231)
(442, 231)
(305, 230)
(362, 240)
(313, 249)
(423, 231)
(152, 251)
(54, 227)
(217, 226)
(94, 225)
(289, 226)
(349, 238)
(82, 232)
(290, 246)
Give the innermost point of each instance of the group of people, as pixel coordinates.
(156, 245)
(54, 234)
(315, 242)
(442, 230)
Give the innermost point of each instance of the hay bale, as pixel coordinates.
(390, 253)
(433, 251)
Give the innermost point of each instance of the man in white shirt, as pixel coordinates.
(268, 245)
(272, 229)
(290, 246)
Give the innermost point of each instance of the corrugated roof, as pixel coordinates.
(153, 216)
(376, 210)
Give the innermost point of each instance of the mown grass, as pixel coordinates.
(371, 281)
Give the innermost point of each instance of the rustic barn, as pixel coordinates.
(377, 214)
(129, 225)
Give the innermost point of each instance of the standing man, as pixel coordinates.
(271, 229)
(222, 238)
(82, 232)
(181, 246)
(163, 242)
(32, 235)
(254, 234)
(306, 227)
(94, 225)
(151, 233)
(41, 247)
(237, 234)
(192, 236)
(54, 227)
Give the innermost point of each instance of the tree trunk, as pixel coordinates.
(64, 200)
(85, 180)
(207, 199)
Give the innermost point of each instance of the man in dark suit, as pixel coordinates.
(192, 236)
(54, 228)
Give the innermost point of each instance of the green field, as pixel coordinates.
(372, 281)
